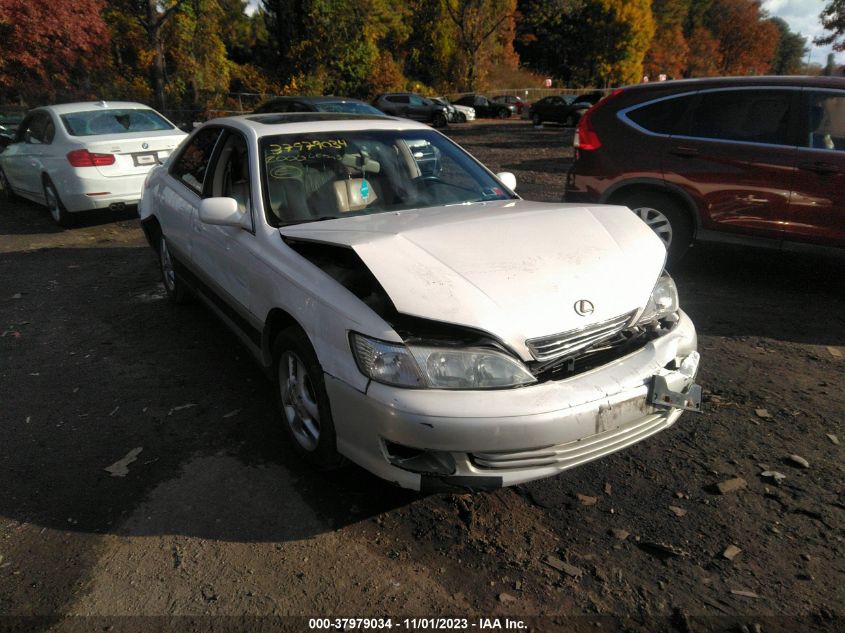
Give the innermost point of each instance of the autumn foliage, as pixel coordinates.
(186, 56)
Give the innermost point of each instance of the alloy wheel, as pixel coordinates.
(299, 401)
(168, 272)
(658, 223)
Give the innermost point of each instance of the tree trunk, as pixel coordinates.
(154, 23)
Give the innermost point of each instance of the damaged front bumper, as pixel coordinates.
(456, 440)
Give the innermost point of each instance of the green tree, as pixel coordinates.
(790, 51)
(833, 20)
(476, 23)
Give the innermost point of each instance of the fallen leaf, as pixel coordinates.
(586, 500)
(744, 593)
(181, 407)
(731, 552)
(120, 467)
(677, 511)
(799, 461)
(762, 413)
(731, 485)
(773, 474)
(232, 414)
(835, 352)
(833, 438)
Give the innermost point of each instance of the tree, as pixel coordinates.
(790, 51)
(151, 16)
(50, 49)
(833, 19)
(705, 58)
(747, 41)
(476, 22)
(669, 50)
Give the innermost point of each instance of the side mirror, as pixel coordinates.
(220, 212)
(508, 179)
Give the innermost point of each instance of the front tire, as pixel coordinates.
(665, 216)
(54, 204)
(440, 120)
(303, 402)
(536, 120)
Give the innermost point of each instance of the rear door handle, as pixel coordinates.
(820, 167)
(684, 152)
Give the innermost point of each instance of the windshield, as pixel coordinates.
(354, 107)
(317, 176)
(94, 122)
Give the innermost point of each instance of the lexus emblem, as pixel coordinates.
(584, 307)
(145, 145)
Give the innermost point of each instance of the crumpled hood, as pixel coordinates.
(514, 268)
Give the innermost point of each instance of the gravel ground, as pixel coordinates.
(217, 517)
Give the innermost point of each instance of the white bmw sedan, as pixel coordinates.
(84, 156)
(416, 316)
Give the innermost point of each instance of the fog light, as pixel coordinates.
(417, 460)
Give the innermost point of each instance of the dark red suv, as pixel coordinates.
(748, 160)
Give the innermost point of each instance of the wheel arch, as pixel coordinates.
(619, 192)
(152, 231)
(277, 320)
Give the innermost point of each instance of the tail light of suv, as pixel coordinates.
(586, 137)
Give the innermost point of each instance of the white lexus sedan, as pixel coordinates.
(416, 316)
(83, 156)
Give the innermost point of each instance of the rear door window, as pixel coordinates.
(661, 117)
(826, 121)
(192, 163)
(750, 116)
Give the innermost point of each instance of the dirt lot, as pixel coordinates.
(217, 517)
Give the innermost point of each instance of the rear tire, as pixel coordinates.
(536, 120)
(440, 120)
(504, 114)
(175, 288)
(303, 403)
(54, 204)
(667, 218)
(6, 192)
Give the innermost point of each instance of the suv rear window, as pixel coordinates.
(661, 117)
(752, 116)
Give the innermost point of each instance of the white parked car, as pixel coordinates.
(416, 316)
(83, 156)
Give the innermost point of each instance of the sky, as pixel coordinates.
(802, 16)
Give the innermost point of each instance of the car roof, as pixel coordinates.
(86, 106)
(313, 99)
(303, 122)
(680, 85)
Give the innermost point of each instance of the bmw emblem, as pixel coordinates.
(584, 307)
(145, 145)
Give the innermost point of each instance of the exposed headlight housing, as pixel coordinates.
(419, 366)
(663, 301)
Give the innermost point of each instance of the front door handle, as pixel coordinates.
(684, 151)
(820, 167)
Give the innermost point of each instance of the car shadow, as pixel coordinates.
(100, 364)
(24, 217)
(732, 291)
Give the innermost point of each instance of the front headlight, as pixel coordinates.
(437, 367)
(663, 302)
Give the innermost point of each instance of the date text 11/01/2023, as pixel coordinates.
(416, 624)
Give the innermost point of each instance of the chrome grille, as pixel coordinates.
(566, 343)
